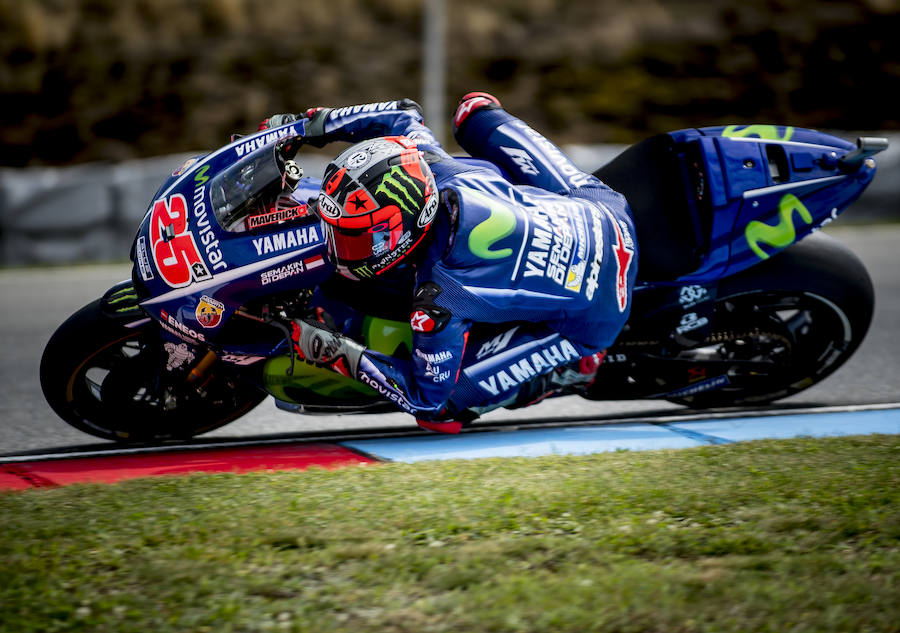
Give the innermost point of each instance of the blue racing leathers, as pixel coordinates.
(536, 244)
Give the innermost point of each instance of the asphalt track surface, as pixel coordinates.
(36, 301)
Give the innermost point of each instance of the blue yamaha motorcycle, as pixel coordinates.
(739, 302)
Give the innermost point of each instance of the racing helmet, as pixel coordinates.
(377, 202)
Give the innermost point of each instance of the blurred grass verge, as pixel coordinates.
(792, 535)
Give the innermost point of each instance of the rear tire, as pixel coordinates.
(811, 306)
(110, 381)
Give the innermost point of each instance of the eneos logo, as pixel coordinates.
(174, 250)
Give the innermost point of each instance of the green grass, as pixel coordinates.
(795, 535)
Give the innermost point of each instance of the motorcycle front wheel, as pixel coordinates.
(107, 377)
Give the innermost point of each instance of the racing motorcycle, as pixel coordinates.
(739, 301)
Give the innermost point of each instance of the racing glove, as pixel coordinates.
(315, 126)
(317, 344)
(276, 120)
(470, 104)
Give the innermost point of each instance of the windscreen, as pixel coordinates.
(250, 187)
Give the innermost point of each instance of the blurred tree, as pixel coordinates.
(114, 79)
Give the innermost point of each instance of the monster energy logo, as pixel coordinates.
(400, 187)
(364, 272)
(782, 234)
(125, 294)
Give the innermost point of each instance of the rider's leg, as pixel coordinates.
(485, 130)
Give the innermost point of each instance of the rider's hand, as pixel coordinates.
(276, 120)
(315, 343)
(471, 103)
(314, 133)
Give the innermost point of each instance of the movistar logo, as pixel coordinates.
(782, 234)
(500, 224)
(400, 187)
(200, 177)
(766, 132)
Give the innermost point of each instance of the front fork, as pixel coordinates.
(121, 302)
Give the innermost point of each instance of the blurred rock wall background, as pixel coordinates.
(94, 90)
(115, 79)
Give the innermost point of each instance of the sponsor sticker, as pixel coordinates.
(690, 296)
(273, 217)
(241, 359)
(204, 228)
(690, 321)
(172, 245)
(707, 385)
(433, 362)
(178, 355)
(282, 272)
(209, 312)
(370, 375)
(552, 246)
(525, 366)
(523, 160)
(179, 329)
(496, 344)
(143, 261)
(623, 250)
(428, 212)
(421, 321)
(337, 113)
(261, 141)
(300, 236)
(400, 187)
(184, 167)
(575, 274)
(357, 160)
(468, 106)
(328, 207)
(593, 279)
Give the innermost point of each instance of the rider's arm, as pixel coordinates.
(420, 385)
(360, 122)
(423, 384)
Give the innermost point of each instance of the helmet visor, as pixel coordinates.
(369, 245)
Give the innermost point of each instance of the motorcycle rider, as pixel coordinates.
(538, 246)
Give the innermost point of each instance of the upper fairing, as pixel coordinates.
(194, 274)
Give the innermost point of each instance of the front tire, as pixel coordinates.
(110, 380)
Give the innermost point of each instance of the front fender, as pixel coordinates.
(121, 302)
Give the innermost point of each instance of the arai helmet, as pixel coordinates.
(377, 202)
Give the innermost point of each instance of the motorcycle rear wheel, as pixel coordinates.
(799, 316)
(110, 381)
